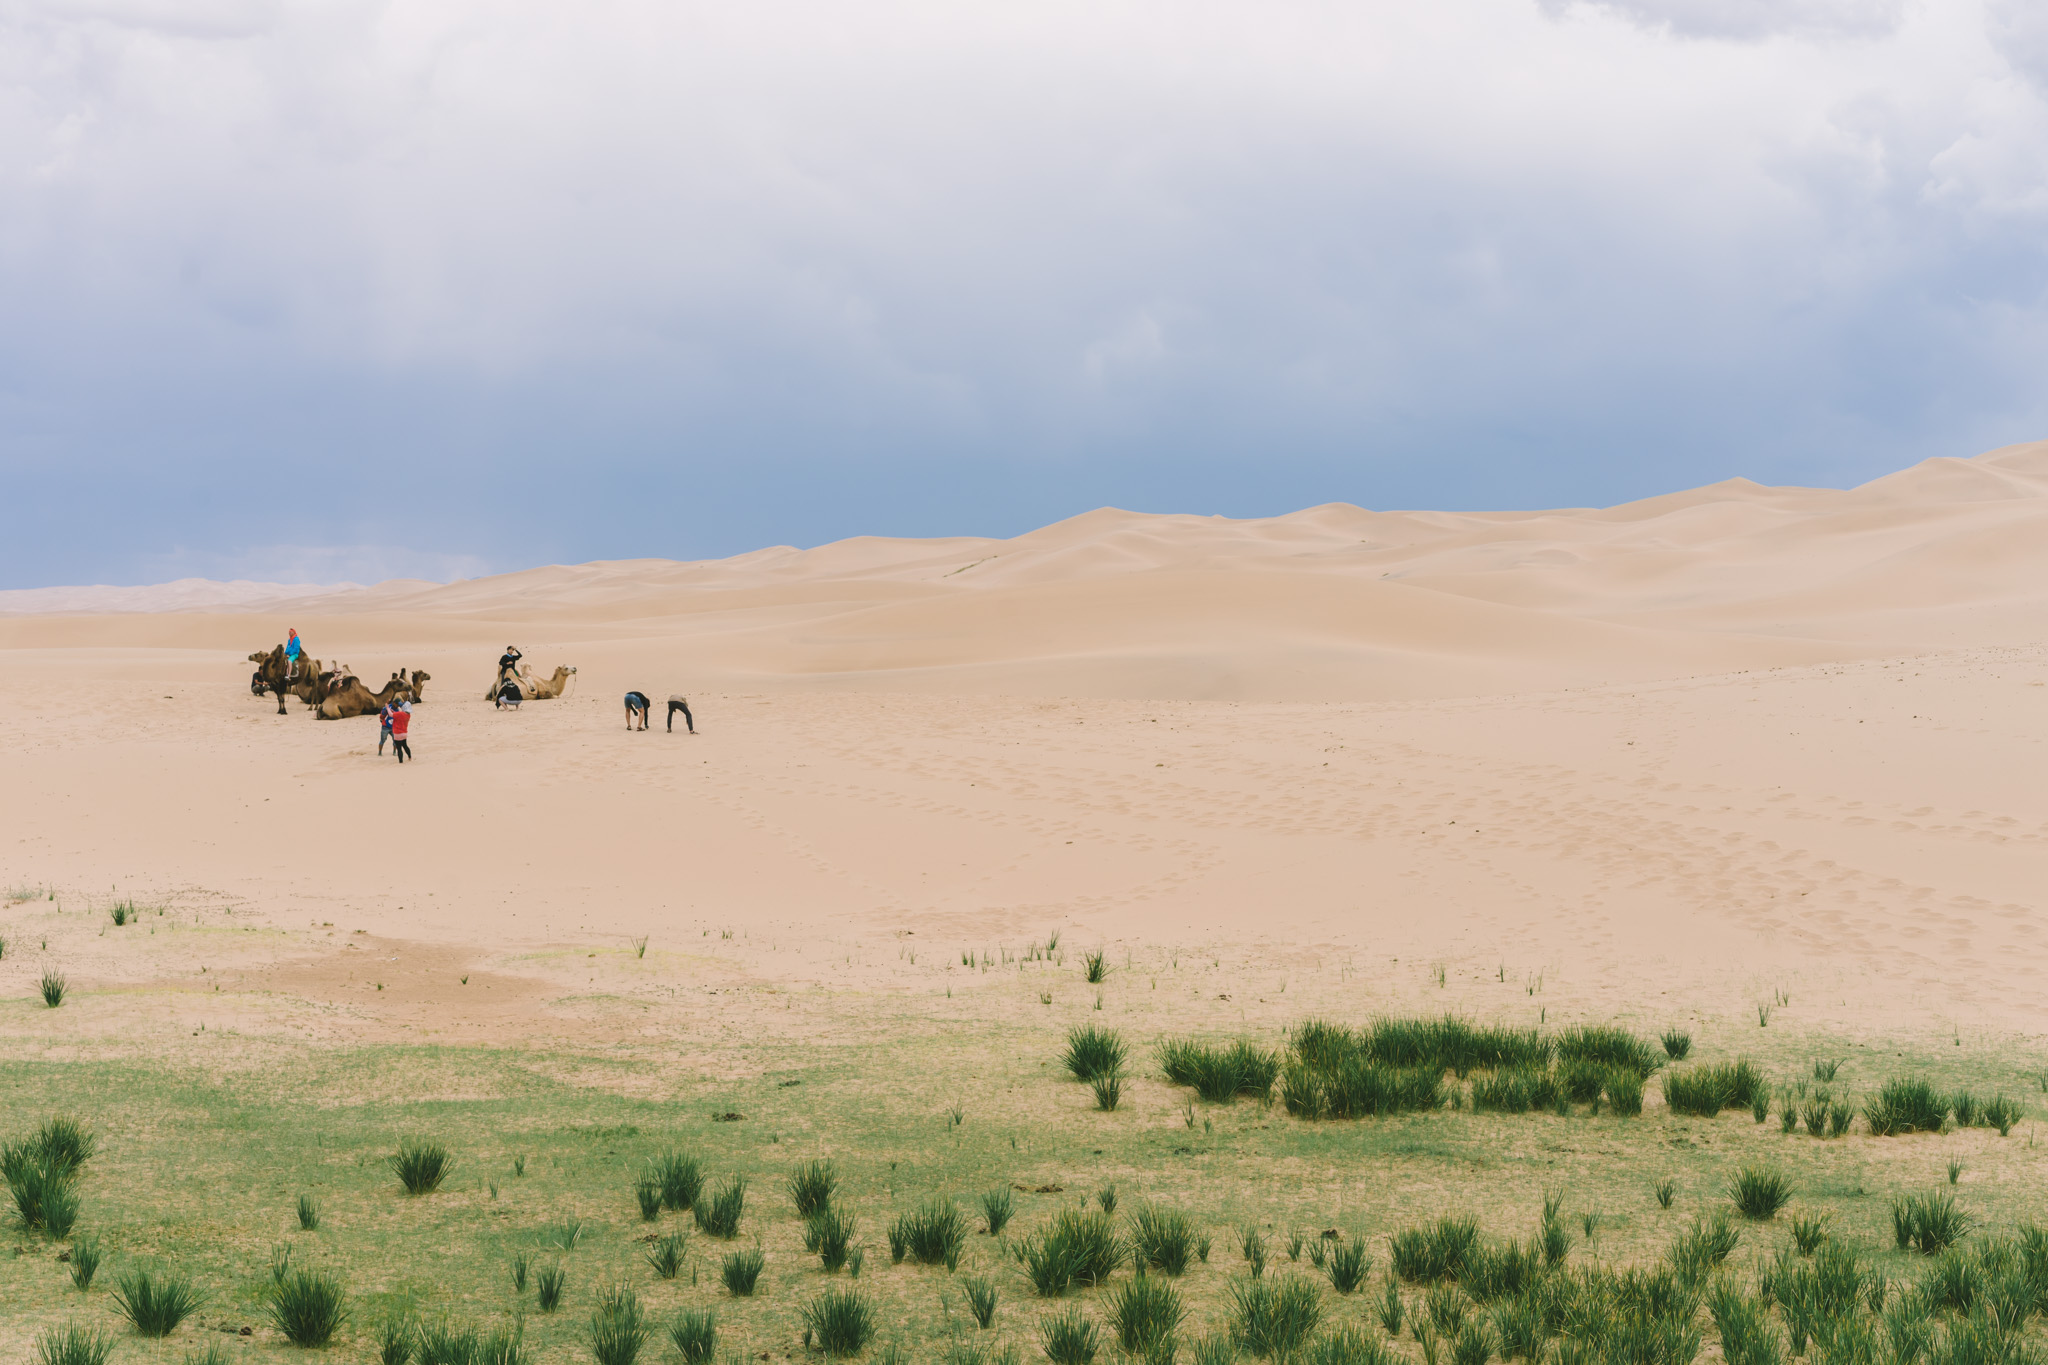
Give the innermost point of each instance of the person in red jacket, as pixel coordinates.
(401, 724)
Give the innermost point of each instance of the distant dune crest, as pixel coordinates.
(1330, 601)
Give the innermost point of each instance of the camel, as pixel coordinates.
(270, 675)
(354, 699)
(420, 679)
(532, 688)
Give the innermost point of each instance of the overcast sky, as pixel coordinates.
(337, 289)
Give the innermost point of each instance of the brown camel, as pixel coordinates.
(354, 699)
(532, 688)
(419, 683)
(270, 675)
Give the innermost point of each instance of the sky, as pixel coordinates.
(330, 289)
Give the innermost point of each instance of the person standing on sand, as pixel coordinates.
(401, 724)
(384, 724)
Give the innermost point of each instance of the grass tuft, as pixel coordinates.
(618, 1327)
(839, 1322)
(980, 1293)
(1809, 1230)
(665, 1255)
(1930, 1223)
(741, 1270)
(935, 1233)
(811, 1187)
(1760, 1191)
(997, 1208)
(647, 1194)
(1666, 1190)
(1109, 1090)
(1906, 1106)
(395, 1338)
(421, 1166)
(85, 1262)
(1274, 1318)
(694, 1334)
(1095, 967)
(1068, 1338)
(1437, 1252)
(53, 989)
(155, 1302)
(1146, 1313)
(1704, 1091)
(1093, 1051)
(73, 1344)
(830, 1234)
(1162, 1239)
(719, 1215)
(548, 1283)
(1347, 1264)
(679, 1176)
(1677, 1044)
(309, 1214)
(308, 1307)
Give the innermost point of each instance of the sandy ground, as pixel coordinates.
(1700, 749)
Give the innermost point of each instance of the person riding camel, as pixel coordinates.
(508, 664)
(293, 649)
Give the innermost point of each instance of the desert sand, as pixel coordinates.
(1714, 745)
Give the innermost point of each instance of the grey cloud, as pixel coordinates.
(1751, 20)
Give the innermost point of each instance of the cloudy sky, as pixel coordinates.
(322, 289)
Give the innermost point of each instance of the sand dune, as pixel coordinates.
(1690, 743)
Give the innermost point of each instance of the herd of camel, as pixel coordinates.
(337, 693)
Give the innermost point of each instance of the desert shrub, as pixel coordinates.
(618, 1327)
(1067, 1338)
(694, 1333)
(1146, 1313)
(155, 1302)
(719, 1215)
(53, 987)
(740, 1270)
(1093, 1051)
(1929, 1223)
(548, 1283)
(1906, 1106)
(980, 1293)
(665, 1255)
(840, 1321)
(1437, 1252)
(934, 1233)
(1347, 1264)
(1274, 1318)
(73, 1344)
(830, 1234)
(308, 1307)
(1095, 967)
(1162, 1239)
(680, 1178)
(1760, 1191)
(420, 1165)
(811, 1187)
(997, 1208)
(1677, 1044)
(1109, 1090)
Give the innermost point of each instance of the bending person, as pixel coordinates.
(637, 705)
(676, 704)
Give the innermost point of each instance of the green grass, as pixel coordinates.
(740, 1271)
(1426, 1255)
(1347, 1264)
(647, 1194)
(1274, 1318)
(1093, 1051)
(1677, 1044)
(1162, 1238)
(1760, 1191)
(307, 1307)
(421, 1166)
(719, 1214)
(840, 1322)
(308, 1210)
(155, 1301)
(1705, 1090)
(1932, 1223)
(679, 1175)
(666, 1254)
(395, 1338)
(810, 1187)
(1109, 1090)
(1095, 967)
(998, 1207)
(1906, 1105)
(980, 1294)
(73, 1344)
(694, 1334)
(549, 1283)
(1068, 1338)
(1145, 1314)
(53, 988)
(935, 1233)
(829, 1234)
(85, 1262)
(618, 1327)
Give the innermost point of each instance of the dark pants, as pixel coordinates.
(402, 747)
(684, 707)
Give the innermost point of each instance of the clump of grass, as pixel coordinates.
(811, 1187)
(155, 1302)
(1347, 1264)
(1146, 1313)
(1474, 1344)
(1704, 1091)
(446, 1342)
(73, 1344)
(1252, 1245)
(395, 1338)
(1677, 1044)
(694, 1334)
(648, 1195)
(522, 1261)
(830, 1234)
(1666, 1190)
(562, 1234)
(1519, 1089)
(1109, 1090)
(1076, 1247)
(548, 1283)
(1760, 1191)
(1162, 1239)
(1274, 1318)
(1068, 1338)
(1496, 1270)
(1906, 1105)
(1760, 1105)
(1955, 1171)
(618, 1327)
(1220, 1074)
(309, 1214)
(1809, 1230)
(2002, 1113)
(1390, 1309)
(1606, 1045)
(1929, 1223)
(1709, 1242)
(1095, 967)
(665, 1255)
(53, 989)
(85, 1262)
(997, 1208)
(1446, 1308)
(1623, 1087)
(839, 1321)
(980, 1293)
(1105, 1198)
(933, 1234)
(308, 1307)
(1437, 1252)
(1747, 1335)
(41, 1178)
(719, 1215)
(679, 1176)
(420, 1165)
(1093, 1051)
(740, 1270)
